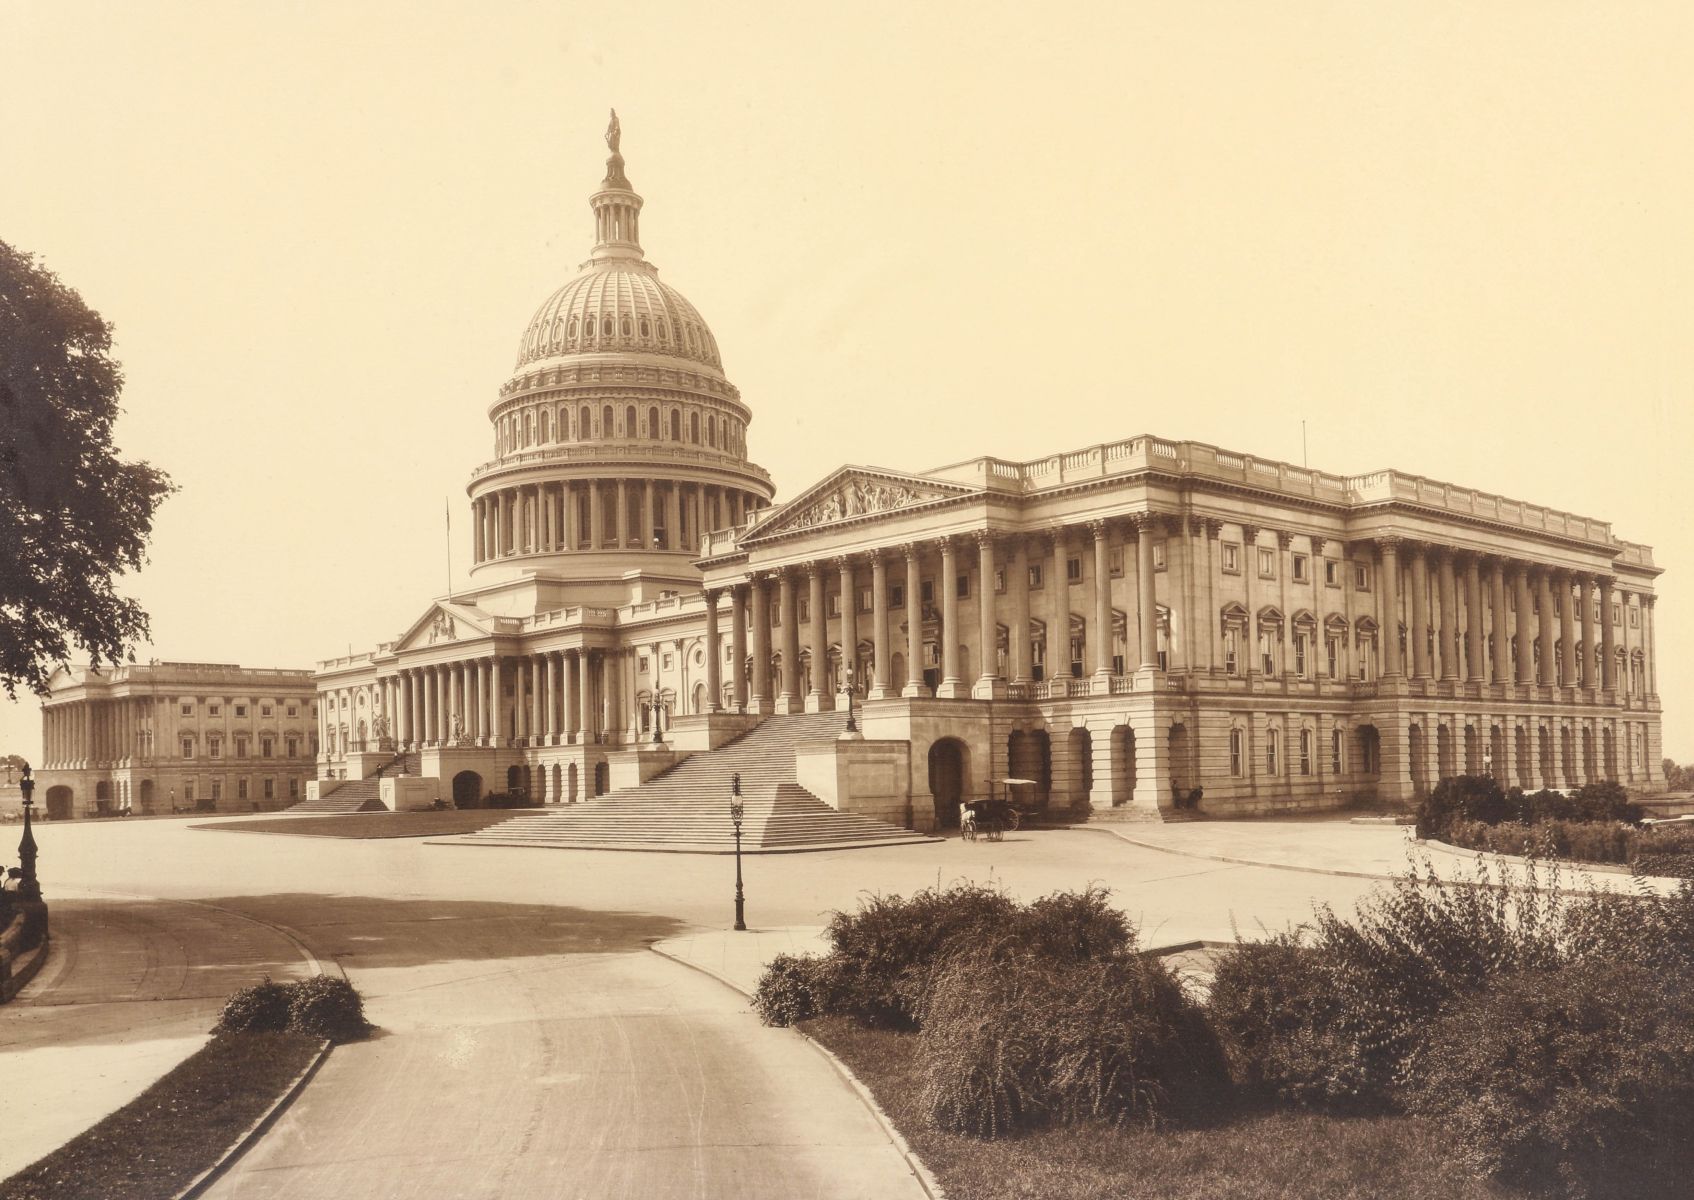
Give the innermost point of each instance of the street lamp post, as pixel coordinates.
(26, 848)
(847, 686)
(736, 809)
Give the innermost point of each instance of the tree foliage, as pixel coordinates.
(72, 513)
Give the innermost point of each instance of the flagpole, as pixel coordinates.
(447, 511)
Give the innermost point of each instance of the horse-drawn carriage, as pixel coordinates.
(990, 818)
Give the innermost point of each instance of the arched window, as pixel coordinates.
(572, 329)
(544, 435)
(562, 424)
(529, 429)
(629, 421)
(711, 431)
(607, 426)
(653, 423)
(664, 331)
(627, 327)
(694, 428)
(606, 325)
(583, 430)
(646, 328)
(676, 425)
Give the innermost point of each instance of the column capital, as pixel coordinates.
(985, 536)
(711, 595)
(1318, 543)
(1284, 538)
(844, 562)
(1605, 582)
(1647, 599)
(1249, 534)
(910, 551)
(1214, 527)
(1099, 529)
(1390, 543)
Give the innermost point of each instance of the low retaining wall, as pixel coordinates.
(23, 946)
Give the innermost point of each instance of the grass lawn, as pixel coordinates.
(429, 823)
(174, 1130)
(1253, 1157)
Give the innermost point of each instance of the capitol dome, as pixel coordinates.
(618, 442)
(618, 306)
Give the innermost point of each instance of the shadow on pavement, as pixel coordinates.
(376, 931)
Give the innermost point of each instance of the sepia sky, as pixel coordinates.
(1449, 238)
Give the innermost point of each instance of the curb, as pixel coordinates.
(198, 1185)
(682, 848)
(1236, 862)
(927, 1181)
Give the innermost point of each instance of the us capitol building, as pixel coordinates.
(1146, 625)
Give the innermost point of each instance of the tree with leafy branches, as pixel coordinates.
(73, 515)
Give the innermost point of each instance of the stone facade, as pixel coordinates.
(162, 737)
(1122, 625)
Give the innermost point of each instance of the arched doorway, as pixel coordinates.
(1178, 756)
(1369, 747)
(1123, 765)
(556, 793)
(467, 790)
(1420, 768)
(948, 759)
(517, 780)
(602, 778)
(1079, 747)
(146, 796)
(59, 803)
(571, 784)
(1473, 750)
(1444, 752)
(103, 798)
(1496, 751)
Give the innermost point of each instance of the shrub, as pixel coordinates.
(1011, 1040)
(1461, 797)
(1278, 1016)
(788, 991)
(1075, 926)
(327, 1007)
(261, 1008)
(1576, 1082)
(883, 954)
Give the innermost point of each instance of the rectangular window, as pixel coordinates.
(867, 599)
(188, 791)
(1335, 752)
(896, 595)
(241, 789)
(292, 747)
(293, 788)
(265, 747)
(292, 711)
(1617, 613)
(215, 748)
(1305, 752)
(188, 747)
(217, 790)
(1230, 661)
(1231, 557)
(962, 587)
(1158, 556)
(1300, 655)
(1332, 647)
(241, 710)
(926, 592)
(1299, 568)
(188, 710)
(1331, 572)
(264, 710)
(1235, 752)
(1000, 582)
(1116, 562)
(1035, 577)
(270, 789)
(835, 604)
(667, 662)
(644, 664)
(241, 747)
(1073, 569)
(1267, 563)
(1634, 617)
(1361, 577)
(215, 710)
(803, 608)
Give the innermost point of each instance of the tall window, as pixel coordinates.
(1231, 653)
(1267, 652)
(1305, 752)
(1271, 748)
(1300, 654)
(1235, 752)
(1335, 752)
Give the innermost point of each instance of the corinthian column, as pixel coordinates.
(818, 698)
(1146, 598)
(1389, 548)
(737, 647)
(761, 699)
(788, 699)
(1585, 597)
(849, 619)
(714, 652)
(1419, 632)
(1100, 636)
(914, 623)
(880, 678)
(989, 682)
(952, 681)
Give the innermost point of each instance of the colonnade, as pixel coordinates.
(765, 614)
(1487, 618)
(603, 514)
(551, 698)
(81, 732)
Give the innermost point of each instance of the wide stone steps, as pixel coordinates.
(358, 795)
(687, 807)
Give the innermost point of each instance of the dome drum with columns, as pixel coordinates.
(617, 435)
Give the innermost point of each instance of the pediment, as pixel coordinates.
(445, 622)
(852, 493)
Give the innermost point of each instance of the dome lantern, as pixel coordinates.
(617, 209)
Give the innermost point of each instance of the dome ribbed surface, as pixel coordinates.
(618, 306)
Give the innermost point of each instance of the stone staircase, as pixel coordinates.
(687, 807)
(357, 795)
